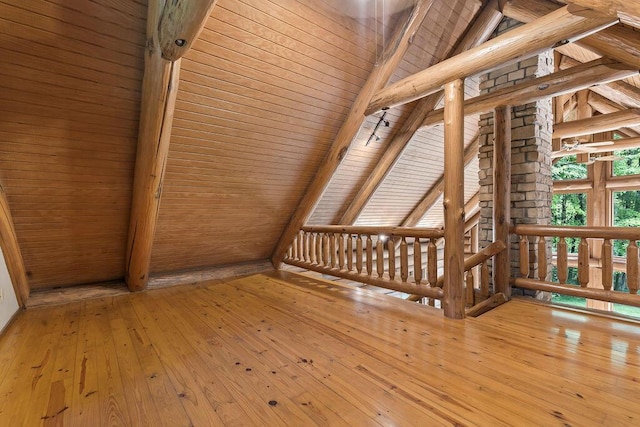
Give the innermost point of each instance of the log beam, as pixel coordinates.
(562, 25)
(350, 128)
(436, 190)
(11, 252)
(612, 145)
(453, 301)
(626, 10)
(616, 42)
(180, 25)
(483, 26)
(576, 78)
(595, 124)
(159, 90)
(502, 197)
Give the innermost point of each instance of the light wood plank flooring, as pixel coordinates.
(283, 349)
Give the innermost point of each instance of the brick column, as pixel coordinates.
(531, 130)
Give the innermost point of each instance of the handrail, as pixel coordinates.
(426, 233)
(478, 258)
(616, 233)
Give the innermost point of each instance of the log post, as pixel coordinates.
(453, 301)
(502, 197)
(11, 252)
(159, 89)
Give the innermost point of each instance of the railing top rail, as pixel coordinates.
(427, 233)
(621, 233)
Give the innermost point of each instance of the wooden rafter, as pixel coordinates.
(627, 10)
(601, 123)
(566, 81)
(479, 31)
(11, 251)
(436, 190)
(543, 33)
(159, 89)
(616, 42)
(351, 126)
(180, 25)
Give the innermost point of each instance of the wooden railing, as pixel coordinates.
(589, 239)
(368, 255)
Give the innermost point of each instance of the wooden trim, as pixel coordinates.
(615, 42)
(483, 26)
(522, 42)
(379, 77)
(623, 183)
(453, 302)
(436, 190)
(426, 233)
(502, 196)
(159, 90)
(180, 25)
(595, 124)
(572, 186)
(591, 293)
(11, 251)
(164, 280)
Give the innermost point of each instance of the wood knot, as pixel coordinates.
(342, 153)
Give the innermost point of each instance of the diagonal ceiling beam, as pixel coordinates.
(436, 190)
(616, 42)
(350, 128)
(11, 251)
(627, 10)
(595, 124)
(159, 89)
(562, 25)
(181, 23)
(481, 29)
(580, 77)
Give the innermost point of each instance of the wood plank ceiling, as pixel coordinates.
(263, 93)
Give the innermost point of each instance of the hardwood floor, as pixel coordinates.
(284, 349)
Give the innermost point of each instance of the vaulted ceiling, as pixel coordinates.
(262, 95)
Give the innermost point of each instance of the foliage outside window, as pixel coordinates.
(629, 164)
(567, 168)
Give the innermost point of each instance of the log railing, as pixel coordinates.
(588, 236)
(368, 255)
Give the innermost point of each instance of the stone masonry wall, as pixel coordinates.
(531, 130)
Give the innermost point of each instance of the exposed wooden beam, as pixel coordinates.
(622, 183)
(11, 251)
(453, 302)
(626, 10)
(436, 190)
(601, 123)
(483, 26)
(159, 89)
(542, 34)
(571, 186)
(582, 76)
(616, 42)
(351, 126)
(502, 197)
(180, 25)
(614, 145)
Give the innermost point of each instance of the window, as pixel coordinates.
(567, 168)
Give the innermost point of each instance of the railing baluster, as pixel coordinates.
(326, 259)
(319, 248)
(300, 245)
(290, 252)
(432, 263)
(305, 246)
(369, 255)
(524, 256)
(562, 261)
(391, 248)
(470, 296)
(417, 261)
(583, 263)
(632, 267)
(542, 258)
(359, 253)
(349, 252)
(380, 257)
(607, 265)
(312, 248)
(341, 253)
(294, 248)
(332, 250)
(404, 260)
(484, 279)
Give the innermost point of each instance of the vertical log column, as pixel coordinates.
(453, 302)
(11, 251)
(502, 196)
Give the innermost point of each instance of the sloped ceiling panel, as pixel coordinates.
(70, 78)
(444, 25)
(263, 93)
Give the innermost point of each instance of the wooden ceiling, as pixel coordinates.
(262, 95)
